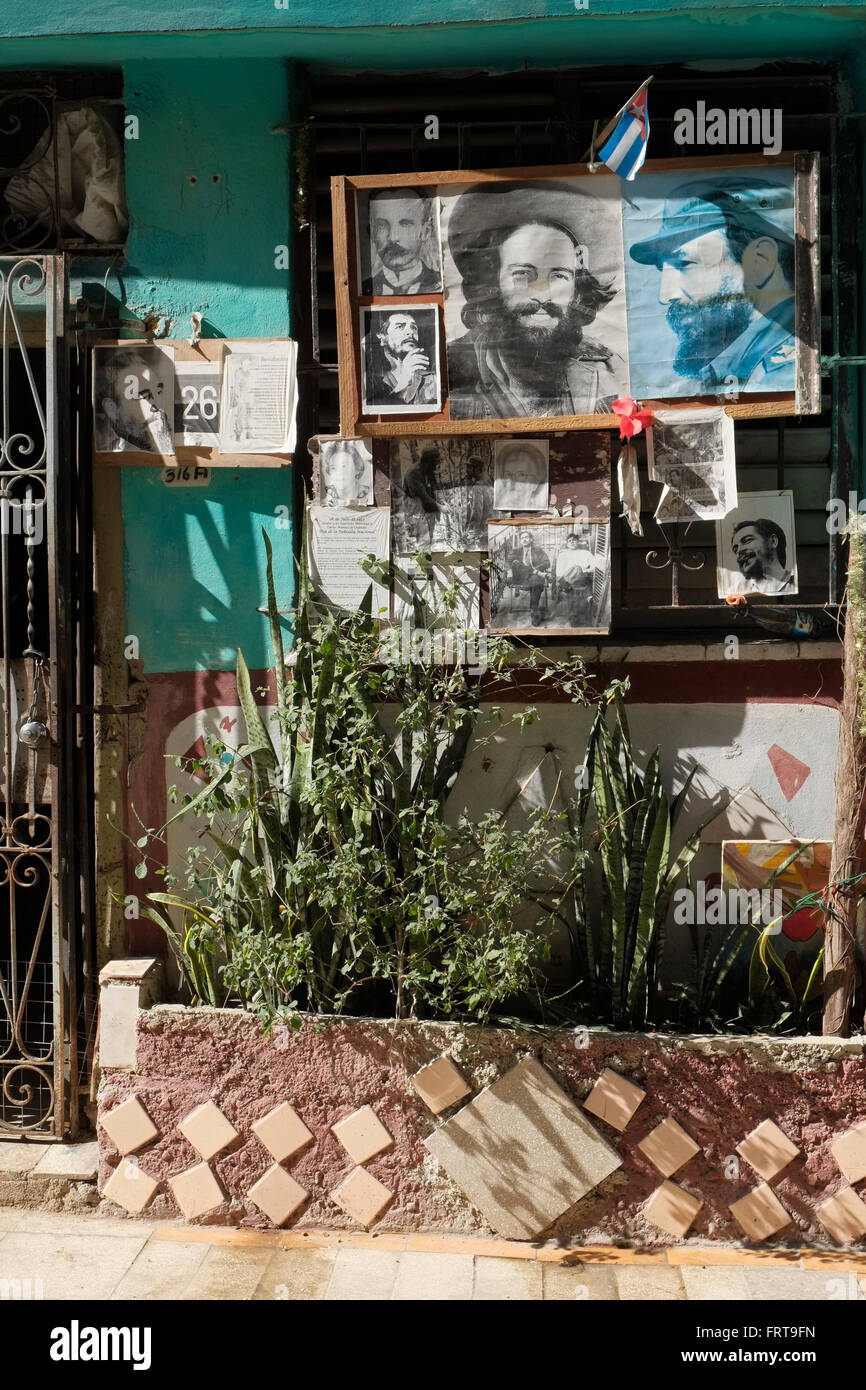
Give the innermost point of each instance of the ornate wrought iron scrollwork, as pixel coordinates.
(676, 556)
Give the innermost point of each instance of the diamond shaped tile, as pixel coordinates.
(522, 1152)
(672, 1209)
(849, 1151)
(208, 1130)
(362, 1196)
(440, 1085)
(282, 1131)
(668, 1146)
(362, 1134)
(767, 1149)
(128, 1126)
(844, 1216)
(196, 1191)
(130, 1187)
(277, 1194)
(760, 1213)
(614, 1099)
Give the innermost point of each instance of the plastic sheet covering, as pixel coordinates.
(89, 178)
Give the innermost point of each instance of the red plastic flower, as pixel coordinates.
(632, 421)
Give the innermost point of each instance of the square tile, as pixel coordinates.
(362, 1196)
(768, 1150)
(277, 1194)
(672, 1209)
(196, 1191)
(522, 1152)
(128, 1126)
(130, 1187)
(362, 1134)
(440, 1085)
(614, 1099)
(849, 1151)
(208, 1130)
(844, 1216)
(760, 1213)
(668, 1146)
(282, 1131)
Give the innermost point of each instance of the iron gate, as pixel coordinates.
(39, 889)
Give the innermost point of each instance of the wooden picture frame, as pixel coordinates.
(804, 399)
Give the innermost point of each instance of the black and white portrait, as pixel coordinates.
(398, 242)
(133, 399)
(692, 453)
(550, 576)
(756, 546)
(534, 305)
(520, 475)
(345, 473)
(441, 493)
(400, 360)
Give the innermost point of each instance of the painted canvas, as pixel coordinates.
(748, 864)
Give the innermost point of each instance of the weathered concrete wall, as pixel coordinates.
(718, 1089)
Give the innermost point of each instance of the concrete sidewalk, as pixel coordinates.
(98, 1257)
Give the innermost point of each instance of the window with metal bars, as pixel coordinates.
(374, 123)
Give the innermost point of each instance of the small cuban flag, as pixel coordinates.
(625, 151)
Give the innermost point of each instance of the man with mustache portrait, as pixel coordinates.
(400, 227)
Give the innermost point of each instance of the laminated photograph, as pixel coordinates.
(338, 540)
(692, 453)
(550, 577)
(398, 242)
(400, 360)
(448, 592)
(535, 318)
(259, 397)
(133, 399)
(197, 404)
(345, 473)
(521, 469)
(441, 493)
(756, 546)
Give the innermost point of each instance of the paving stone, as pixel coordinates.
(82, 1266)
(293, 1275)
(362, 1134)
(282, 1131)
(440, 1085)
(22, 1157)
(128, 1126)
(522, 1152)
(768, 1150)
(61, 1223)
(760, 1213)
(844, 1216)
(208, 1130)
(362, 1196)
(849, 1151)
(130, 1187)
(672, 1209)
(163, 1270)
(651, 1283)
(722, 1283)
(614, 1099)
(434, 1278)
(277, 1194)
(507, 1280)
(78, 1162)
(789, 1285)
(228, 1274)
(579, 1283)
(363, 1275)
(668, 1147)
(196, 1191)
(118, 1025)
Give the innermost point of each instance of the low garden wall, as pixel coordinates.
(526, 1149)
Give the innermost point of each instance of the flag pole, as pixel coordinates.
(611, 125)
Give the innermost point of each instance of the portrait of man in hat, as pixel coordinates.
(535, 264)
(400, 359)
(399, 243)
(724, 253)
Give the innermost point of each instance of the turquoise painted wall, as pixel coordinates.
(194, 568)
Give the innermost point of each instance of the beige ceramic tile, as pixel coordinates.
(196, 1191)
(440, 1085)
(507, 1281)
(760, 1213)
(668, 1146)
(362, 1134)
(277, 1194)
(522, 1152)
(363, 1276)
(282, 1131)
(130, 1187)
(849, 1151)
(844, 1216)
(768, 1150)
(672, 1209)
(128, 1126)
(208, 1130)
(614, 1099)
(433, 1279)
(362, 1196)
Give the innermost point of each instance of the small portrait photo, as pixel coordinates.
(400, 360)
(756, 547)
(345, 473)
(692, 453)
(441, 493)
(550, 576)
(398, 242)
(520, 476)
(133, 399)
